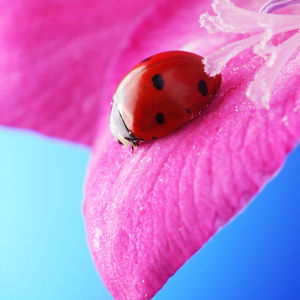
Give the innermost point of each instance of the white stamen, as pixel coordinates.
(264, 26)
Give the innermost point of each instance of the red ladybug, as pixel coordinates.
(159, 95)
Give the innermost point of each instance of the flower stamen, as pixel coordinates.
(262, 27)
(273, 5)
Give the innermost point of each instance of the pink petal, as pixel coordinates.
(147, 213)
(53, 57)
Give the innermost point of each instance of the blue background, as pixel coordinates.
(43, 249)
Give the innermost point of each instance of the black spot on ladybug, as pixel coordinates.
(159, 118)
(202, 87)
(158, 81)
(146, 59)
(188, 111)
(154, 138)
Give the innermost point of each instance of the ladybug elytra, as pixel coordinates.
(159, 95)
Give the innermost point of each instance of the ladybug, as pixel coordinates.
(160, 94)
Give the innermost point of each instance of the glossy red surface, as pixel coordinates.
(152, 111)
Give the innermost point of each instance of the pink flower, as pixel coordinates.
(147, 213)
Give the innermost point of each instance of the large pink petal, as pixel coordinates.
(55, 54)
(147, 213)
(53, 58)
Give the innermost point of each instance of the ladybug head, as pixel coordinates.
(119, 129)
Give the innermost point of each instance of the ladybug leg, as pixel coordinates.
(134, 145)
(132, 149)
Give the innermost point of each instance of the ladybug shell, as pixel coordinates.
(162, 93)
